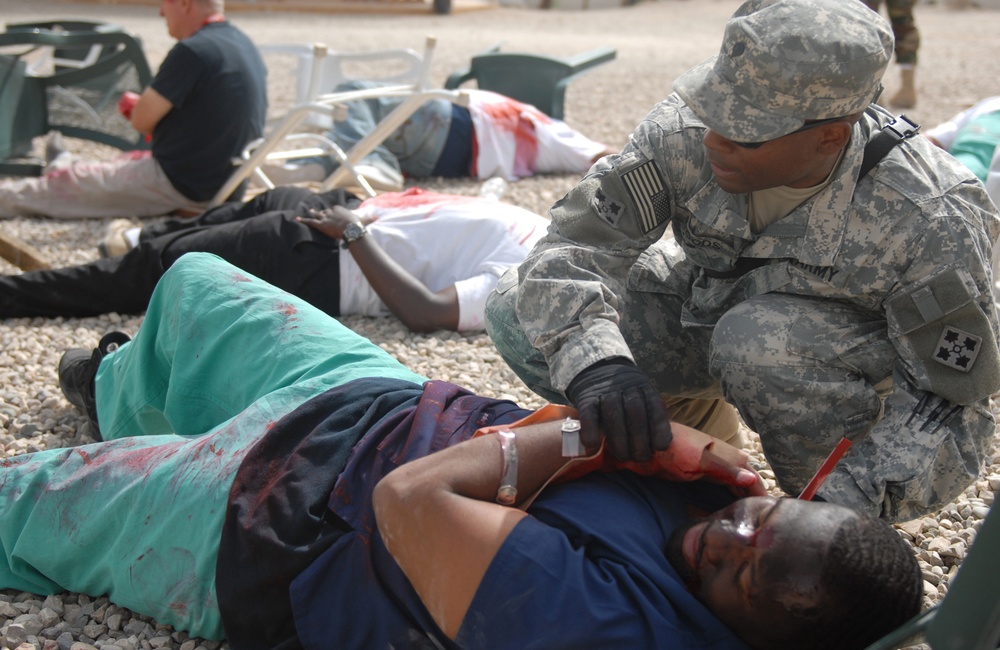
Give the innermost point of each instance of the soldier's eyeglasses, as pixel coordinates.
(806, 127)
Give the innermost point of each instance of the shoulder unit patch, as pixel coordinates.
(957, 349)
(607, 208)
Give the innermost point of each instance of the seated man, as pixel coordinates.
(272, 469)
(431, 259)
(494, 136)
(206, 102)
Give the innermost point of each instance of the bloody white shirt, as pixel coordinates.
(442, 240)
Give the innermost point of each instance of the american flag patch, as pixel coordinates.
(649, 193)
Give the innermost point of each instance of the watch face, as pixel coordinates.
(353, 231)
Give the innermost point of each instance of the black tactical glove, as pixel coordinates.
(617, 400)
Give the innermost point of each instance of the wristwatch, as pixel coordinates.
(352, 233)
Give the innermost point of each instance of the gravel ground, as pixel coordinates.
(656, 41)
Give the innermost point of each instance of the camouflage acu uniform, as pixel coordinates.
(871, 316)
(904, 28)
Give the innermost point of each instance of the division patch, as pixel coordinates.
(957, 349)
(607, 208)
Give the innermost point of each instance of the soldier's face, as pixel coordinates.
(758, 560)
(795, 160)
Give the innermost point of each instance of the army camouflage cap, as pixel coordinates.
(783, 62)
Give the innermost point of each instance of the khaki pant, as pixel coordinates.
(132, 185)
(716, 417)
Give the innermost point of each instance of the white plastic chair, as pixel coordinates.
(320, 70)
(414, 89)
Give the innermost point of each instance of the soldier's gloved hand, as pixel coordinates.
(616, 400)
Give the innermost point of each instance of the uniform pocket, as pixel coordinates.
(943, 333)
(507, 281)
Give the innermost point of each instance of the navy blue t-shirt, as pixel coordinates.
(586, 570)
(300, 506)
(217, 83)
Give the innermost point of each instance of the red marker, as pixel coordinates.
(825, 469)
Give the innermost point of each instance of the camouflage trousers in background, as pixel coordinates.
(904, 28)
(803, 373)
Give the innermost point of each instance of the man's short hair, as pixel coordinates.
(873, 585)
(784, 62)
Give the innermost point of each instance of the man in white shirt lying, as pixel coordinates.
(431, 259)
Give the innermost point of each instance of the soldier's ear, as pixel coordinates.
(834, 137)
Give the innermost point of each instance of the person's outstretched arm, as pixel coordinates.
(440, 519)
(420, 309)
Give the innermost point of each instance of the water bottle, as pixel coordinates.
(493, 189)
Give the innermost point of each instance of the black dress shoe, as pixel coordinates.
(77, 369)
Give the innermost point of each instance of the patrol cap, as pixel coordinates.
(783, 62)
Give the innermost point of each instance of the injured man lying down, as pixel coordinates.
(269, 477)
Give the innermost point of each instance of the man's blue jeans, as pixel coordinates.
(413, 149)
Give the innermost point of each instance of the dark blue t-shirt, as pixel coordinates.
(300, 506)
(217, 83)
(586, 570)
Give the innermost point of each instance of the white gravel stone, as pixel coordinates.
(30, 623)
(65, 641)
(14, 635)
(114, 622)
(48, 617)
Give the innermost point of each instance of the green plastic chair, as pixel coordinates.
(66, 76)
(530, 78)
(968, 617)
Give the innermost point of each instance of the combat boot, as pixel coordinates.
(77, 370)
(906, 96)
